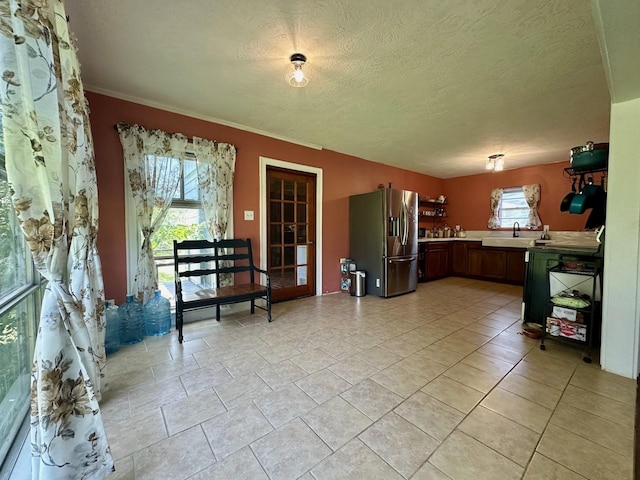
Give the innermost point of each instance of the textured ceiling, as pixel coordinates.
(427, 85)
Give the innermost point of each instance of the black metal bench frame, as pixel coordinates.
(223, 263)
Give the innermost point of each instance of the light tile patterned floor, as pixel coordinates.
(437, 384)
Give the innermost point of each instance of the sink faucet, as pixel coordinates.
(516, 233)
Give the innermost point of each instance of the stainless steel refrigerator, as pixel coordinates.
(383, 240)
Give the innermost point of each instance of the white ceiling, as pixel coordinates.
(427, 85)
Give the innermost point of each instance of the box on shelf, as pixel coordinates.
(557, 327)
(567, 314)
(347, 265)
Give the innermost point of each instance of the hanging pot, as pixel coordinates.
(578, 204)
(590, 157)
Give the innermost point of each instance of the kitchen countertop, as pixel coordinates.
(526, 239)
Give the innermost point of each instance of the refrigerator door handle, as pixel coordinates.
(402, 260)
(405, 224)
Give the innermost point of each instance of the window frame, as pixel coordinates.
(521, 220)
(133, 235)
(29, 294)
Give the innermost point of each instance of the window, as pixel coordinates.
(184, 221)
(19, 311)
(513, 207)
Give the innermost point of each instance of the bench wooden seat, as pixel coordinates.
(201, 260)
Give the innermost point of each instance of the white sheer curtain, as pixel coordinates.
(496, 197)
(50, 166)
(152, 164)
(216, 165)
(532, 195)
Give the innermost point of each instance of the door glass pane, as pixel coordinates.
(301, 277)
(289, 277)
(288, 212)
(289, 232)
(289, 256)
(288, 190)
(301, 213)
(301, 255)
(301, 191)
(276, 233)
(276, 215)
(276, 257)
(276, 278)
(275, 188)
(302, 234)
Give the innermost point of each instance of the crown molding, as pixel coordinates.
(187, 113)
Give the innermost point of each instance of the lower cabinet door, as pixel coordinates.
(494, 264)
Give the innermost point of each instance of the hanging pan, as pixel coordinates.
(566, 201)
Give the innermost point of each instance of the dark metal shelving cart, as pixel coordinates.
(585, 330)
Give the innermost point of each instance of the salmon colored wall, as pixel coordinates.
(468, 197)
(344, 175)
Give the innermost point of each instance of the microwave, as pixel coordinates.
(422, 232)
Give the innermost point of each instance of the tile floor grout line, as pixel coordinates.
(465, 415)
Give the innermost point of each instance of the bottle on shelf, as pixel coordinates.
(157, 316)
(112, 336)
(131, 322)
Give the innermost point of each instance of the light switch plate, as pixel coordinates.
(248, 214)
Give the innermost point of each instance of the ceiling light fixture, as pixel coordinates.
(495, 163)
(296, 76)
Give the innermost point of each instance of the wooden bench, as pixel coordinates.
(202, 260)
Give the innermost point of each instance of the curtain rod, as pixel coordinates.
(189, 140)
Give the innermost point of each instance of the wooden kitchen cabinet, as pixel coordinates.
(438, 259)
(470, 259)
(494, 263)
(459, 258)
(516, 266)
(474, 260)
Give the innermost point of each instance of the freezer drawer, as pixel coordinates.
(401, 275)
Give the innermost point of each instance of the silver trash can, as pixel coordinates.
(358, 283)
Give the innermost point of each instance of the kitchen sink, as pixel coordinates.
(517, 242)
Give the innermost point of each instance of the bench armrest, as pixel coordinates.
(261, 271)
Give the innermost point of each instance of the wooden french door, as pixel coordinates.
(291, 233)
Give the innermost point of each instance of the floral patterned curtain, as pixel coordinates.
(532, 195)
(494, 219)
(50, 167)
(216, 165)
(152, 163)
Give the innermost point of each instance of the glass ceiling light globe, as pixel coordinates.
(495, 162)
(296, 76)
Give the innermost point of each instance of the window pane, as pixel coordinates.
(513, 208)
(191, 191)
(15, 261)
(179, 224)
(17, 339)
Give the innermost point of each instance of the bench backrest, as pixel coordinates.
(199, 258)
